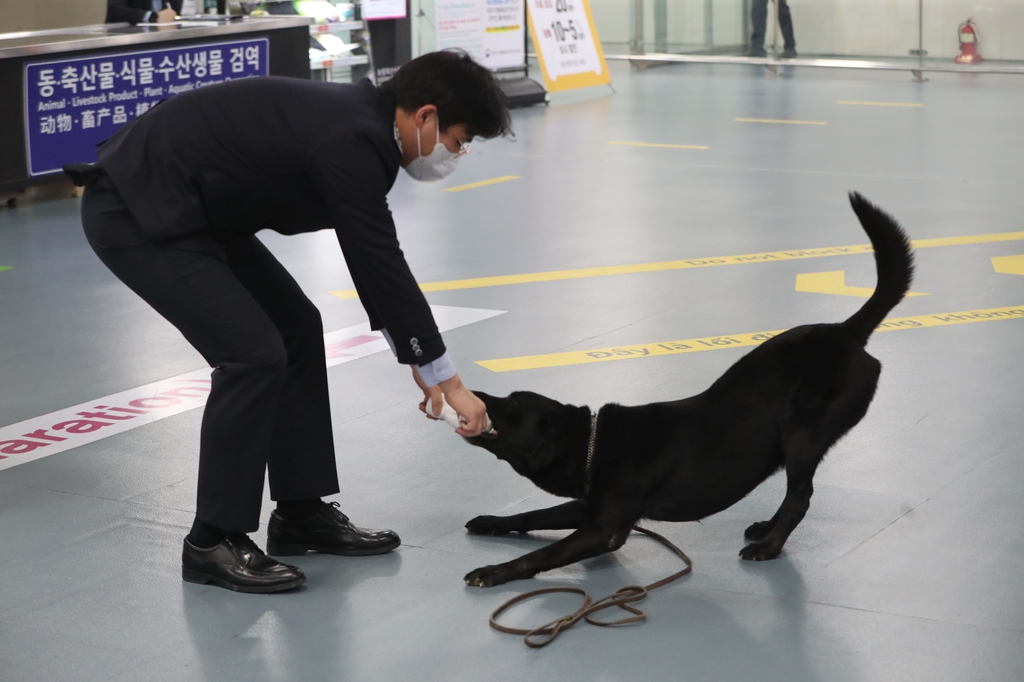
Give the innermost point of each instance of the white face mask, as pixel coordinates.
(437, 165)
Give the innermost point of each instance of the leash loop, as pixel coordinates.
(543, 635)
(622, 598)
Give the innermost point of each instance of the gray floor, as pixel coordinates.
(907, 567)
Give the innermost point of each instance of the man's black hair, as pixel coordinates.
(462, 90)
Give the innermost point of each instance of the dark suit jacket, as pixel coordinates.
(133, 11)
(283, 154)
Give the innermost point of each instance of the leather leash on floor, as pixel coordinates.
(622, 598)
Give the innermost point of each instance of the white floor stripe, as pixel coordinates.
(101, 418)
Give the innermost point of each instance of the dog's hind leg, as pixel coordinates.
(561, 517)
(760, 530)
(813, 428)
(802, 457)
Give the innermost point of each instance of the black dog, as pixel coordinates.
(783, 405)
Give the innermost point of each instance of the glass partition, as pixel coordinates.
(675, 26)
(887, 30)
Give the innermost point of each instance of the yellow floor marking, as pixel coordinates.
(1009, 265)
(968, 239)
(834, 282)
(604, 271)
(664, 146)
(781, 120)
(4, 267)
(882, 104)
(733, 341)
(482, 183)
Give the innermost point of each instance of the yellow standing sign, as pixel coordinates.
(567, 45)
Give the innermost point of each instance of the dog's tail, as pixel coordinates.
(895, 263)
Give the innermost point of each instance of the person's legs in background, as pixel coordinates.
(786, 24)
(759, 19)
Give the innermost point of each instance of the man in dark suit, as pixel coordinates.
(172, 208)
(142, 11)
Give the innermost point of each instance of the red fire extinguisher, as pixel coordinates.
(968, 43)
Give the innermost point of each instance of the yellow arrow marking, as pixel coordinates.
(663, 146)
(604, 271)
(482, 183)
(834, 282)
(781, 120)
(733, 341)
(1009, 265)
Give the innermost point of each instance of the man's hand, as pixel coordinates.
(463, 401)
(165, 15)
(468, 406)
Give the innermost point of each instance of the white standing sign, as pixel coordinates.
(504, 34)
(491, 31)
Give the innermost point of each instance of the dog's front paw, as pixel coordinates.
(760, 551)
(488, 525)
(759, 530)
(489, 576)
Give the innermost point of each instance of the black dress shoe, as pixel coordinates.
(327, 531)
(238, 564)
(756, 52)
(789, 53)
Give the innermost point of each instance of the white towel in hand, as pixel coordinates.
(450, 416)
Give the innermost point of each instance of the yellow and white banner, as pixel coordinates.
(567, 45)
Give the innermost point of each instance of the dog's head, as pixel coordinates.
(540, 438)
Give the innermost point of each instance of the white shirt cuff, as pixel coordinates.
(432, 373)
(437, 371)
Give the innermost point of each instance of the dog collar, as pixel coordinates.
(591, 444)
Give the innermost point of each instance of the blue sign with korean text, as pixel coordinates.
(71, 105)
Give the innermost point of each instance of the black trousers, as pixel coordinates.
(759, 17)
(268, 411)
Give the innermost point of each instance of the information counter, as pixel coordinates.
(64, 91)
